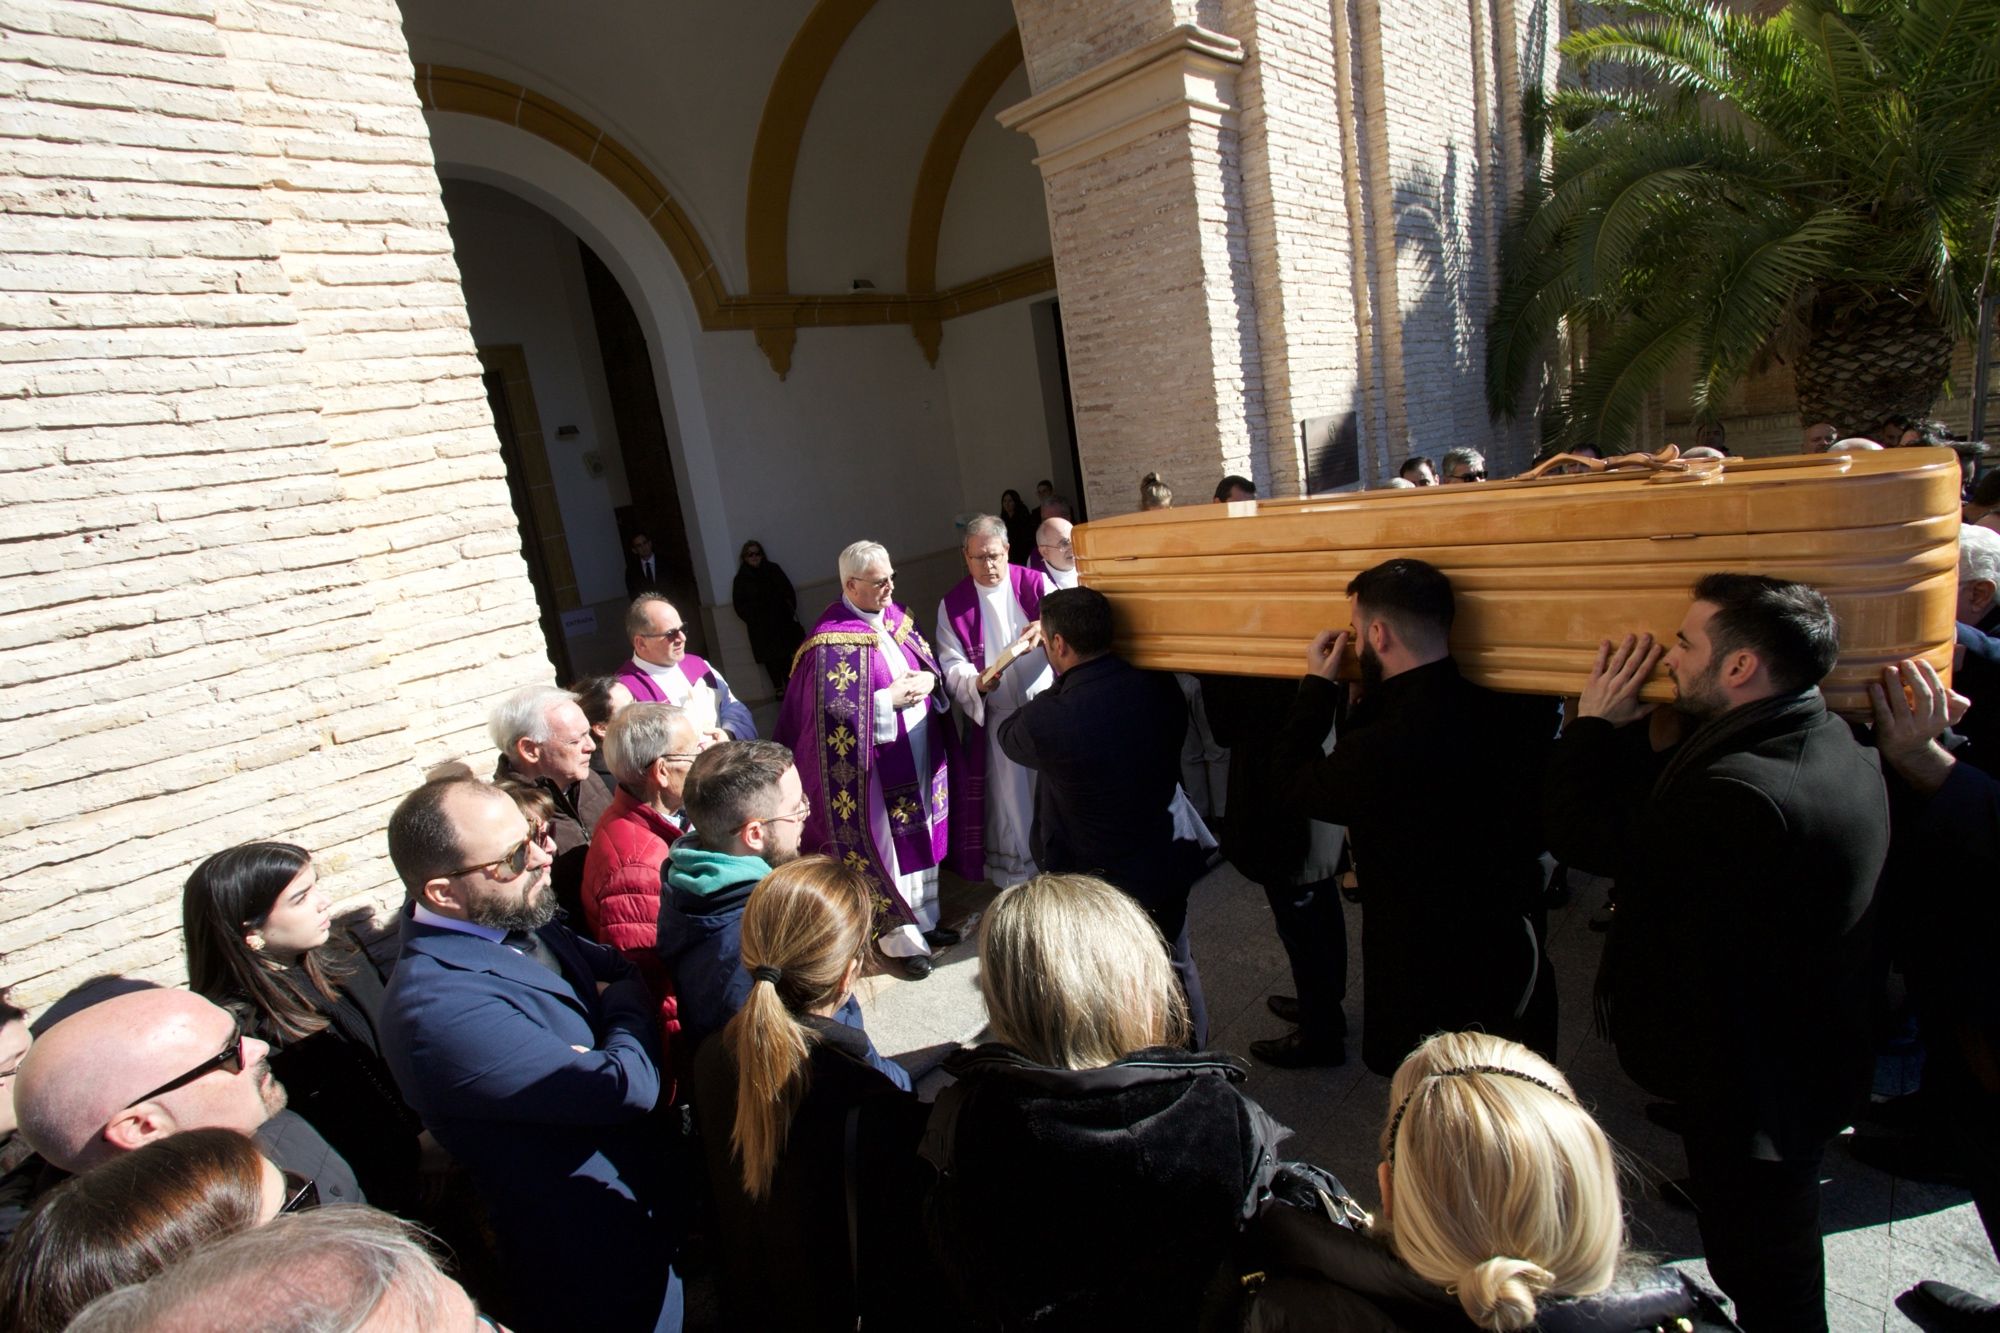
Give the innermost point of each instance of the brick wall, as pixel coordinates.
(258, 569)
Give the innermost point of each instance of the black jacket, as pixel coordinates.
(1437, 780)
(337, 1081)
(1739, 974)
(1093, 1199)
(1106, 739)
(1319, 1278)
(783, 1260)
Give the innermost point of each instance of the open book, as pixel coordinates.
(1016, 650)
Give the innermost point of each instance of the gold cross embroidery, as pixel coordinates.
(842, 741)
(905, 810)
(844, 805)
(843, 676)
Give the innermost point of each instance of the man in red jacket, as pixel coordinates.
(649, 748)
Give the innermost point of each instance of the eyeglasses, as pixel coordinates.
(301, 1192)
(1063, 545)
(676, 633)
(879, 585)
(802, 814)
(1468, 476)
(514, 862)
(679, 758)
(229, 1059)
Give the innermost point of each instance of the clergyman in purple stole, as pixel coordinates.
(993, 807)
(877, 775)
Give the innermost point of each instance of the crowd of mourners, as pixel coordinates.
(617, 1038)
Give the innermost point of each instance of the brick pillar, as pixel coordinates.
(1140, 159)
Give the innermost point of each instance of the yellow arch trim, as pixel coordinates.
(774, 159)
(774, 318)
(940, 165)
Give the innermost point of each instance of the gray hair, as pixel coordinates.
(1471, 457)
(639, 735)
(856, 558)
(325, 1271)
(636, 621)
(982, 526)
(1978, 554)
(524, 715)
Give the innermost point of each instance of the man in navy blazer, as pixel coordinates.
(533, 1056)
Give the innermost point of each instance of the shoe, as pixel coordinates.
(943, 937)
(915, 968)
(1914, 1158)
(1284, 1006)
(1670, 1116)
(1941, 1307)
(1293, 1051)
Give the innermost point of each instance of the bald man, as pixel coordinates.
(149, 1063)
(1054, 556)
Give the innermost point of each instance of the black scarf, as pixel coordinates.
(1739, 729)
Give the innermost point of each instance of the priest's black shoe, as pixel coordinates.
(1939, 1307)
(1284, 1006)
(942, 938)
(1294, 1051)
(915, 968)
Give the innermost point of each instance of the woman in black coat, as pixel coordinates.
(768, 606)
(810, 1146)
(260, 942)
(1020, 521)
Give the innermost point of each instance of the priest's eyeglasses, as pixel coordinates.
(677, 633)
(228, 1059)
(879, 585)
(1063, 545)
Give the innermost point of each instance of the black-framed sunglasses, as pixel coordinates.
(677, 632)
(229, 1059)
(301, 1192)
(513, 863)
(1470, 476)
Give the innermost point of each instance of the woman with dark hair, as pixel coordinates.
(768, 606)
(260, 942)
(129, 1218)
(811, 1147)
(601, 698)
(1020, 521)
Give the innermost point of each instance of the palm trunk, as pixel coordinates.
(1865, 363)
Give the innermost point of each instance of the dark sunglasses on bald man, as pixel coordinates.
(229, 1059)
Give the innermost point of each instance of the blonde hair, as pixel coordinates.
(1503, 1189)
(1075, 975)
(1154, 493)
(805, 925)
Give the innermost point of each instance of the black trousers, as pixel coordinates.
(1313, 929)
(1760, 1233)
(1960, 1076)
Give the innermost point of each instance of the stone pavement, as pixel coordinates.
(1883, 1234)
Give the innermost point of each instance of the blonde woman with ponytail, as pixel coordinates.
(1500, 1211)
(804, 1125)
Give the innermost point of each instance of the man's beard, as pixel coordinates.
(775, 858)
(533, 912)
(1371, 666)
(268, 1087)
(1702, 696)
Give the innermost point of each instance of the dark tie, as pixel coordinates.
(529, 944)
(649, 571)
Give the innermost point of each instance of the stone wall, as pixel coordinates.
(259, 567)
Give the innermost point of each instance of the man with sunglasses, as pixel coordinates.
(1463, 465)
(148, 1063)
(662, 671)
(533, 1055)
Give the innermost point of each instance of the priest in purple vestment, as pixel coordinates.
(1054, 555)
(869, 726)
(990, 613)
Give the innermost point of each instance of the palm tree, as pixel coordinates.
(1815, 186)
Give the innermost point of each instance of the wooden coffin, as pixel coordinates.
(1545, 569)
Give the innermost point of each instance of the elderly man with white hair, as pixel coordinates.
(989, 637)
(1977, 675)
(1054, 555)
(545, 741)
(650, 748)
(868, 723)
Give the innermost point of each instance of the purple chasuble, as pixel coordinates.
(968, 809)
(828, 720)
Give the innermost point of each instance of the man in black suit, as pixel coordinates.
(1106, 740)
(1452, 925)
(1739, 976)
(642, 567)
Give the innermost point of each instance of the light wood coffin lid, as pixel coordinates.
(1545, 569)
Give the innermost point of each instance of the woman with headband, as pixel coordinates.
(811, 1146)
(1500, 1211)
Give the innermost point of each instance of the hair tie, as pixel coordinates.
(1396, 1121)
(770, 974)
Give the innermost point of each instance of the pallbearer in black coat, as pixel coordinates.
(1438, 782)
(1738, 977)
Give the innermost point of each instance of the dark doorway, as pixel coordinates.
(643, 441)
(533, 546)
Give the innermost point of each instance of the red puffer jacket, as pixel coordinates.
(621, 884)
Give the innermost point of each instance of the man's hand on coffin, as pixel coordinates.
(1324, 656)
(1613, 690)
(1913, 707)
